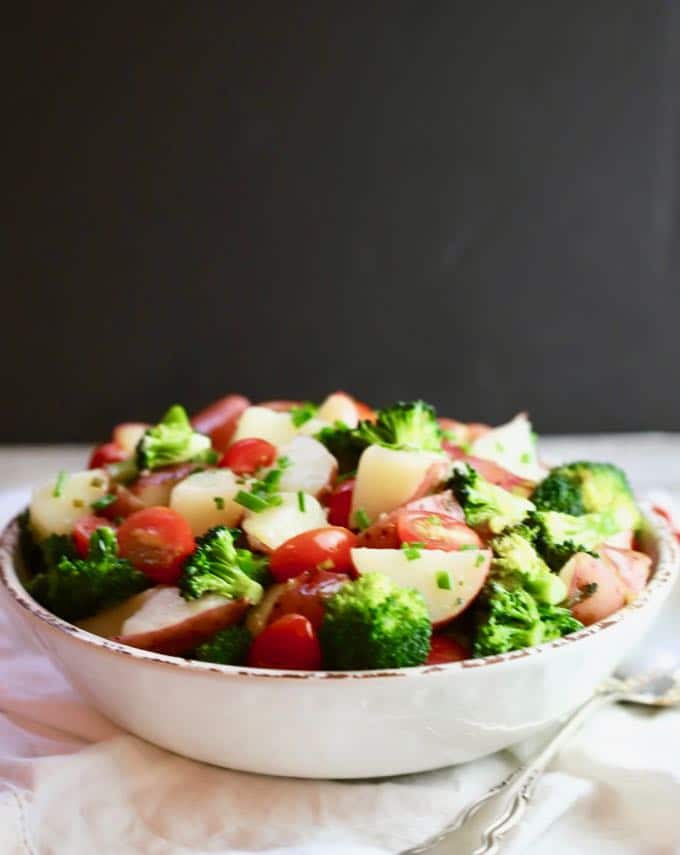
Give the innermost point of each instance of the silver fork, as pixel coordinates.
(660, 690)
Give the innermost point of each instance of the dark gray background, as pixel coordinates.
(470, 202)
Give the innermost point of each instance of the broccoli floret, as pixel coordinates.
(559, 536)
(227, 647)
(76, 588)
(218, 567)
(344, 444)
(173, 440)
(486, 506)
(410, 425)
(587, 488)
(517, 564)
(371, 623)
(514, 619)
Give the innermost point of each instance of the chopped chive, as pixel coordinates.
(467, 546)
(412, 550)
(219, 502)
(301, 501)
(525, 458)
(500, 448)
(251, 501)
(283, 462)
(104, 502)
(479, 560)
(303, 413)
(443, 580)
(62, 477)
(361, 520)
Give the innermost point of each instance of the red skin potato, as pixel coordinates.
(182, 637)
(305, 595)
(632, 567)
(154, 488)
(219, 419)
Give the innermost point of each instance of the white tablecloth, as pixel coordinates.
(72, 783)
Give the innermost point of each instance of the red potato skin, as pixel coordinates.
(154, 488)
(491, 471)
(305, 595)
(609, 596)
(632, 567)
(126, 503)
(219, 419)
(180, 638)
(483, 573)
(468, 431)
(444, 649)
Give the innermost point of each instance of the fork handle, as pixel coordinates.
(523, 781)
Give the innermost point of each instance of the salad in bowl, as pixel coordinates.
(303, 537)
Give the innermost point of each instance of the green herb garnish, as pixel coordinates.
(361, 520)
(104, 502)
(219, 502)
(301, 500)
(443, 580)
(62, 477)
(303, 413)
(412, 550)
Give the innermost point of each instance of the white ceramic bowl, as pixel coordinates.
(340, 724)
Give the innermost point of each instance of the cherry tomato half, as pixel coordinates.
(156, 541)
(339, 503)
(289, 642)
(435, 531)
(247, 455)
(444, 649)
(326, 548)
(107, 452)
(305, 595)
(218, 420)
(84, 528)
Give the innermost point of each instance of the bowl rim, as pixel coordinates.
(665, 572)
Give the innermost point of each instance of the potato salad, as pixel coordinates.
(306, 536)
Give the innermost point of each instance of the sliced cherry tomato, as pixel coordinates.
(289, 642)
(444, 649)
(305, 595)
(84, 528)
(435, 531)
(107, 452)
(326, 548)
(219, 419)
(339, 503)
(157, 541)
(247, 455)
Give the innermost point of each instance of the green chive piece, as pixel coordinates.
(249, 500)
(104, 502)
(301, 501)
(219, 502)
(479, 560)
(443, 580)
(412, 550)
(466, 547)
(62, 477)
(361, 519)
(303, 413)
